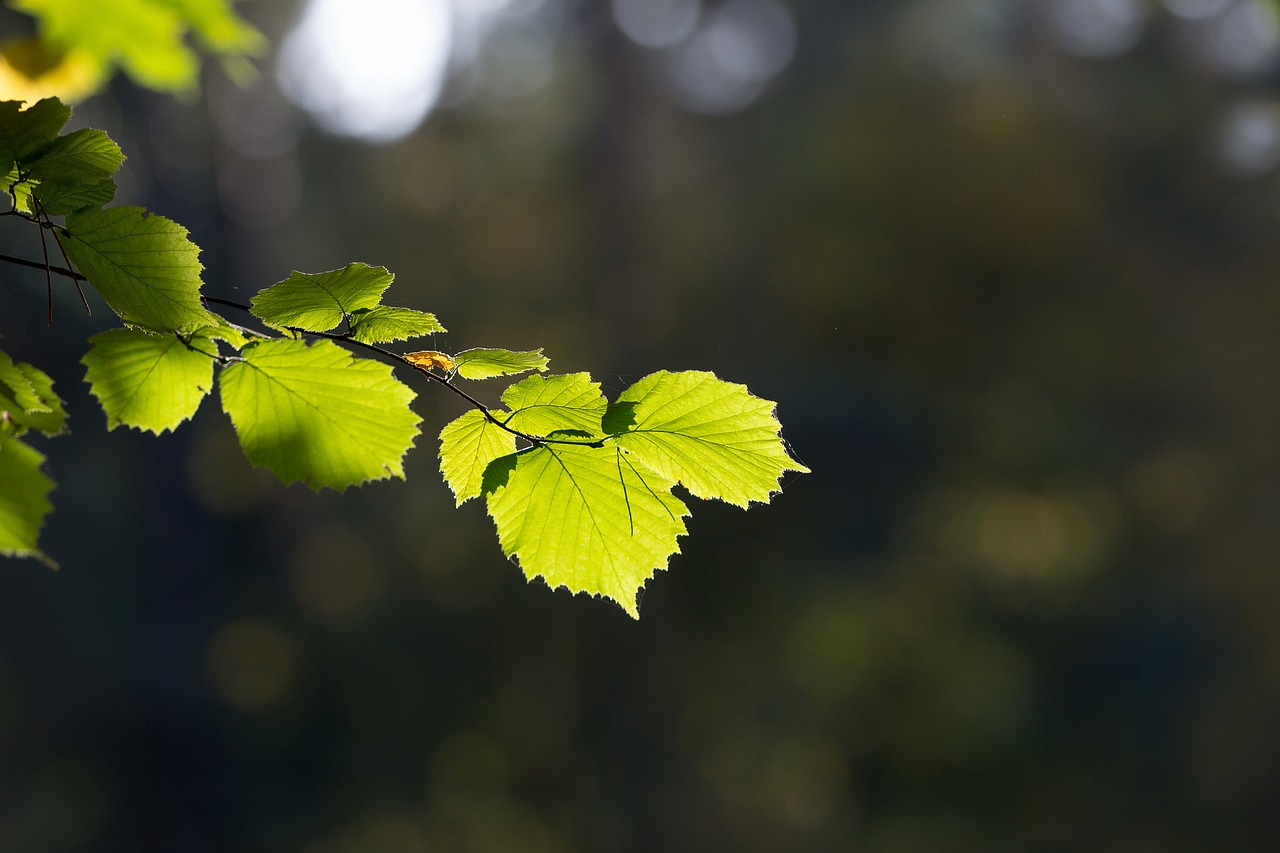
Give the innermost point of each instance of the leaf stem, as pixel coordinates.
(345, 338)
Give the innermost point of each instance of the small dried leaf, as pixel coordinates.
(428, 359)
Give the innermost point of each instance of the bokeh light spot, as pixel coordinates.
(1249, 139)
(1099, 29)
(656, 23)
(368, 68)
(251, 663)
(1195, 10)
(1246, 39)
(726, 65)
(753, 39)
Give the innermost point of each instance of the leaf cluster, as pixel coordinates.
(580, 488)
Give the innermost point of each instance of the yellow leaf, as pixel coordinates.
(30, 70)
(428, 359)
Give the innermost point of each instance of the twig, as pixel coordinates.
(386, 353)
(36, 265)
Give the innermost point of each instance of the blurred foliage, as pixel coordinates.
(1021, 317)
(79, 44)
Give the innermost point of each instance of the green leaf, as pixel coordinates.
(149, 382)
(483, 363)
(57, 197)
(75, 172)
(24, 500)
(24, 135)
(142, 264)
(19, 191)
(712, 436)
(24, 132)
(588, 518)
(541, 405)
(467, 446)
(384, 324)
(218, 28)
(26, 395)
(313, 413)
(222, 330)
(48, 417)
(317, 302)
(144, 37)
(19, 394)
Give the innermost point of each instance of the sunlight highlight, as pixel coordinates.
(371, 69)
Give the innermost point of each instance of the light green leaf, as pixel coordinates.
(18, 392)
(23, 133)
(541, 405)
(24, 500)
(149, 382)
(384, 324)
(317, 302)
(588, 518)
(142, 264)
(48, 417)
(19, 191)
(313, 413)
(467, 446)
(26, 395)
(222, 331)
(484, 363)
(711, 436)
(75, 172)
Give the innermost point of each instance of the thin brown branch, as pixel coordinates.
(441, 380)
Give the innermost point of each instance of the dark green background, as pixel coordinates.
(1021, 320)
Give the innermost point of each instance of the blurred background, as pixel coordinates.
(1011, 271)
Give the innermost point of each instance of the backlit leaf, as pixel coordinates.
(713, 437)
(19, 191)
(485, 363)
(313, 413)
(17, 392)
(541, 405)
(143, 265)
(26, 395)
(149, 382)
(317, 302)
(467, 446)
(24, 499)
(588, 518)
(223, 331)
(384, 324)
